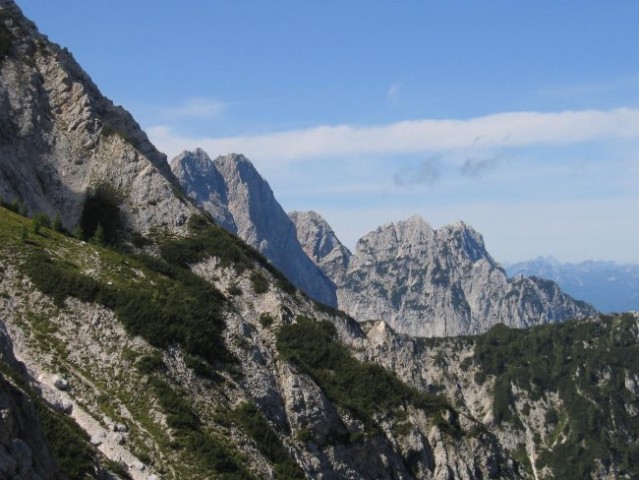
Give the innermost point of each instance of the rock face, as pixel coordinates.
(321, 244)
(24, 453)
(242, 202)
(63, 143)
(428, 282)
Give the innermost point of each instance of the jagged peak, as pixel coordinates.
(234, 158)
(310, 215)
(186, 155)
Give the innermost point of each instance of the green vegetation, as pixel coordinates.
(260, 284)
(585, 363)
(266, 320)
(182, 309)
(209, 240)
(39, 221)
(69, 444)
(363, 388)
(253, 423)
(202, 448)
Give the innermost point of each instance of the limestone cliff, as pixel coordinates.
(241, 201)
(428, 282)
(62, 143)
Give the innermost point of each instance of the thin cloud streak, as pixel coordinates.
(196, 108)
(514, 129)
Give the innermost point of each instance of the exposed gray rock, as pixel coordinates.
(321, 244)
(60, 383)
(62, 141)
(242, 202)
(21, 434)
(428, 282)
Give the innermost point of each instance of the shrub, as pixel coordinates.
(187, 311)
(266, 320)
(253, 423)
(234, 290)
(361, 387)
(260, 284)
(39, 221)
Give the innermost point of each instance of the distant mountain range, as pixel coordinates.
(608, 286)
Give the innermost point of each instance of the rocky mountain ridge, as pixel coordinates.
(428, 282)
(291, 377)
(231, 190)
(420, 281)
(67, 150)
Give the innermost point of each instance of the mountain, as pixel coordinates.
(321, 244)
(67, 150)
(609, 287)
(231, 190)
(420, 281)
(428, 282)
(187, 355)
(198, 372)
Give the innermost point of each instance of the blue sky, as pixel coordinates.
(519, 118)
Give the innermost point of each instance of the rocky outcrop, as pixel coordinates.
(62, 143)
(321, 244)
(24, 453)
(428, 282)
(237, 197)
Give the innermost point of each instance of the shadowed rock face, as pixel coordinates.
(242, 202)
(61, 140)
(428, 282)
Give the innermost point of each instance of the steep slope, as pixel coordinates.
(606, 285)
(241, 201)
(66, 150)
(560, 398)
(429, 282)
(253, 380)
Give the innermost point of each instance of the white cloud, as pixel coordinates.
(502, 130)
(196, 107)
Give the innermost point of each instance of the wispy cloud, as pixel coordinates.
(476, 167)
(196, 108)
(393, 92)
(427, 172)
(502, 130)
